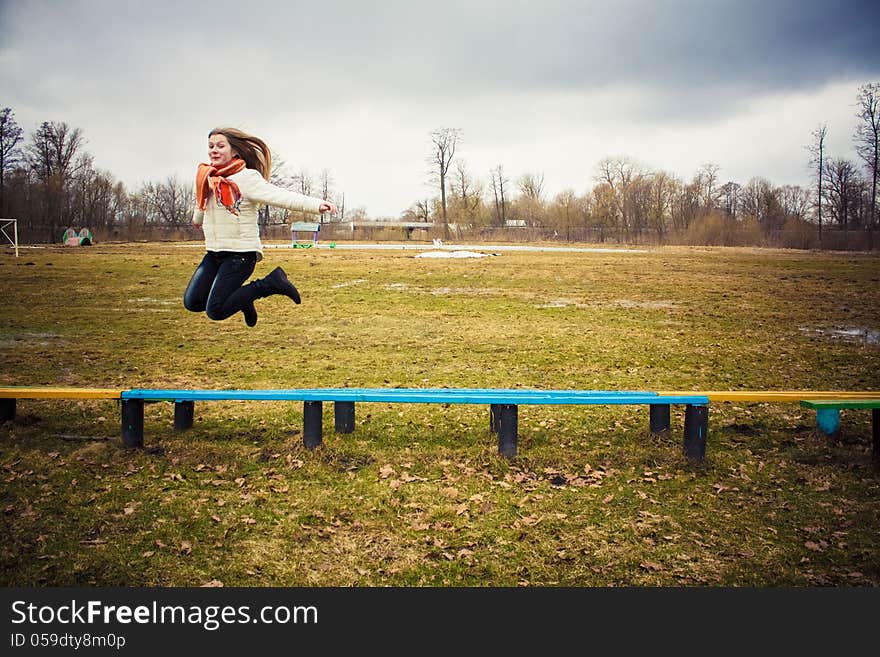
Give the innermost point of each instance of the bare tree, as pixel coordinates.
(498, 182)
(867, 139)
(10, 154)
(95, 200)
(167, 202)
(663, 187)
(53, 150)
(566, 209)
(467, 193)
(418, 211)
(624, 179)
(54, 156)
(444, 141)
(531, 202)
(795, 201)
(730, 194)
(302, 182)
(759, 199)
(842, 190)
(817, 162)
(707, 177)
(326, 183)
(532, 186)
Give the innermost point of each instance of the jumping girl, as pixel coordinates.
(228, 193)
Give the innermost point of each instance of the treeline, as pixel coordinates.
(49, 183)
(630, 203)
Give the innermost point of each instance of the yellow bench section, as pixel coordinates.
(796, 396)
(49, 392)
(9, 394)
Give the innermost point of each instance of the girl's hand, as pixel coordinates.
(327, 206)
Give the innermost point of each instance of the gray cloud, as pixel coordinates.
(614, 69)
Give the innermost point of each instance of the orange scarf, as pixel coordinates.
(210, 179)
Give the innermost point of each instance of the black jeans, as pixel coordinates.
(216, 286)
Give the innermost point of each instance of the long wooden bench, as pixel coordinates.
(828, 416)
(503, 405)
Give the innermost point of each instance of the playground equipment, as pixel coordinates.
(13, 240)
(73, 238)
(304, 227)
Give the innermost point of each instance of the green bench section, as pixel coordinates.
(828, 416)
(503, 406)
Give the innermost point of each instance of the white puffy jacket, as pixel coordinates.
(225, 231)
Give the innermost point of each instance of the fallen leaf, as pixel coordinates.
(214, 583)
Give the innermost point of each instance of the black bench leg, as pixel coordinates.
(343, 416)
(659, 418)
(696, 425)
(133, 422)
(183, 415)
(494, 417)
(508, 425)
(7, 409)
(313, 429)
(875, 421)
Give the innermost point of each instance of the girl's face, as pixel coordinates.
(219, 151)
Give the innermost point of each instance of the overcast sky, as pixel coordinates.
(548, 88)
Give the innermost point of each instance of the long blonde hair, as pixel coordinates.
(253, 150)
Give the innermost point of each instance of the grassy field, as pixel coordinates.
(417, 495)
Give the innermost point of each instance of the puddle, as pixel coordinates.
(863, 335)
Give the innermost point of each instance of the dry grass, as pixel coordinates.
(418, 495)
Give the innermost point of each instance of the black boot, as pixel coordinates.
(250, 314)
(277, 283)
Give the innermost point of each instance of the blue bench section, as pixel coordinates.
(503, 406)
